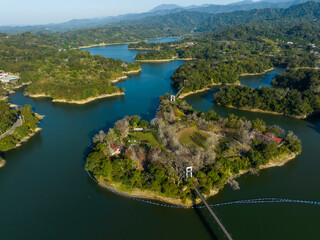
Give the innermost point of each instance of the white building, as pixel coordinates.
(7, 78)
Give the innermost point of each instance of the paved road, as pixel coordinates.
(18, 123)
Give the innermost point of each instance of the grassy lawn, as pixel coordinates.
(179, 113)
(193, 137)
(147, 136)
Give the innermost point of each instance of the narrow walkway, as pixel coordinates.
(212, 213)
(178, 93)
(18, 123)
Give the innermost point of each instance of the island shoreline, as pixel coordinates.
(126, 76)
(75, 101)
(165, 60)
(150, 195)
(27, 138)
(269, 112)
(121, 43)
(207, 89)
(221, 84)
(256, 74)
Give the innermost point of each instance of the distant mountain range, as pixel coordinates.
(158, 11)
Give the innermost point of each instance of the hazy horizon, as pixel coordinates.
(35, 12)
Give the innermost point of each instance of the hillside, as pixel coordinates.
(297, 14)
(243, 42)
(77, 24)
(182, 23)
(69, 75)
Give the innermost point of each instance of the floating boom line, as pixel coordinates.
(239, 202)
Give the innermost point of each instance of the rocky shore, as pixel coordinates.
(2, 162)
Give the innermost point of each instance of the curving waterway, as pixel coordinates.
(46, 194)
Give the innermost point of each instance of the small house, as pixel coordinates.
(138, 129)
(275, 139)
(114, 150)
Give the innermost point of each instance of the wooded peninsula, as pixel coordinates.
(63, 75)
(295, 93)
(16, 125)
(148, 160)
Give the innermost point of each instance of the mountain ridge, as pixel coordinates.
(161, 10)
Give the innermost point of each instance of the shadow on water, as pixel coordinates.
(152, 110)
(33, 142)
(204, 221)
(314, 121)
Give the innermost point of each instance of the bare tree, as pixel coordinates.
(161, 133)
(279, 131)
(130, 153)
(212, 141)
(99, 137)
(123, 127)
(155, 122)
(141, 156)
(243, 136)
(170, 116)
(111, 136)
(210, 158)
(154, 154)
(203, 124)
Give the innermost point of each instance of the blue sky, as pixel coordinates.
(24, 12)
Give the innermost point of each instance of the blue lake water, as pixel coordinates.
(46, 194)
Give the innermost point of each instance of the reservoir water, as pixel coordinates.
(46, 194)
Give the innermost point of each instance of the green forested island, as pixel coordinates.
(220, 58)
(245, 42)
(67, 75)
(295, 93)
(148, 160)
(16, 125)
(223, 46)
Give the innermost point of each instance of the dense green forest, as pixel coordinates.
(171, 25)
(182, 23)
(186, 22)
(155, 159)
(223, 55)
(58, 73)
(8, 117)
(242, 42)
(3, 91)
(295, 93)
(221, 58)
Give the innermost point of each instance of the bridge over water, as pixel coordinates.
(228, 235)
(179, 92)
(238, 202)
